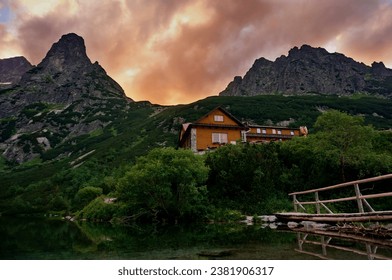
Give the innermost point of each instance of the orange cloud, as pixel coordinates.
(178, 51)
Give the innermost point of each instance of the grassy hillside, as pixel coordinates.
(98, 155)
(146, 126)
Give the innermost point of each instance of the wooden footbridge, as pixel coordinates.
(323, 213)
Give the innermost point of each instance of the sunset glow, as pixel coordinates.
(179, 51)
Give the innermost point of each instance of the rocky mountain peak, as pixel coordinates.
(12, 69)
(307, 52)
(67, 73)
(69, 51)
(379, 69)
(310, 70)
(63, 97)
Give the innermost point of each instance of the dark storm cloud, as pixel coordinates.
(179, 51)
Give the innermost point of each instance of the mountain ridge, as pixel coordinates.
(66, 102)
(309, 70)
(64, 96)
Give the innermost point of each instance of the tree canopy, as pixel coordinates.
(166, 184)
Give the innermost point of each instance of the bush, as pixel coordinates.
(244, 176)
(57, 203)
(167, 184)
(98, 210)
(87, 194)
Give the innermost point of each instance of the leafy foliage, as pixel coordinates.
(244, 176)
(253, 179)
(167, 184)
(87, 194)
(344, 138)
(98, 210)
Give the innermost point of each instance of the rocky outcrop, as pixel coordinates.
(309, 70)
(64, 96)
(11, 71)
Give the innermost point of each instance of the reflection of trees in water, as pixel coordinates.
(152, 237)
(31, 238)
(26, 238)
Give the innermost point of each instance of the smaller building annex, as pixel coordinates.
(219, 127)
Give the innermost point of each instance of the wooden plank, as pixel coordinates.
(337, 214)
(373, 179)
(377, 195)
(334, 218)
(352, 219)
(338, 219)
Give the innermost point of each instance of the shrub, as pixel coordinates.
(98, 210)
(87, 194)
(168, 184)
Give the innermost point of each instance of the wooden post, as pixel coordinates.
(369, 251)
(317, 204)
(295, 203)
(300, 241)
(359, 200)
(323, 245)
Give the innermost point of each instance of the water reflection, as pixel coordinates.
(334, 245)
(29, 238)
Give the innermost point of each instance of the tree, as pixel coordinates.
(87, 194)
(344, 139)
(166, 184)
(244, 177)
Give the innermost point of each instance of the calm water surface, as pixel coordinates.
(34, 238)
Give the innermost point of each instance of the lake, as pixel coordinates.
(55, 239)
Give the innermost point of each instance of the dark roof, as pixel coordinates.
(224, 111)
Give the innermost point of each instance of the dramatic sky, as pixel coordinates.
(179, 51)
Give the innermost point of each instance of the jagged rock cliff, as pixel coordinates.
(11, 70)
(309, 70)
(64, 96)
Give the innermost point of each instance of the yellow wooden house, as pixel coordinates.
(219, 127)
(213, 130)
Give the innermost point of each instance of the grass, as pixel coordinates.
(134, 132)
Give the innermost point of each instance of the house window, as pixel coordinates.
(279, 132)
(220, 138)
(292, 132)
(258, 130)
(273, 131)
(218, 118)
(264, 131)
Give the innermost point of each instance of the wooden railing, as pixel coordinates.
(324, 241)
(361, 199)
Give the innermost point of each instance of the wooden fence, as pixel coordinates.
(357, 195)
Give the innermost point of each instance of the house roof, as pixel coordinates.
(271, 126)
(237, 121)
